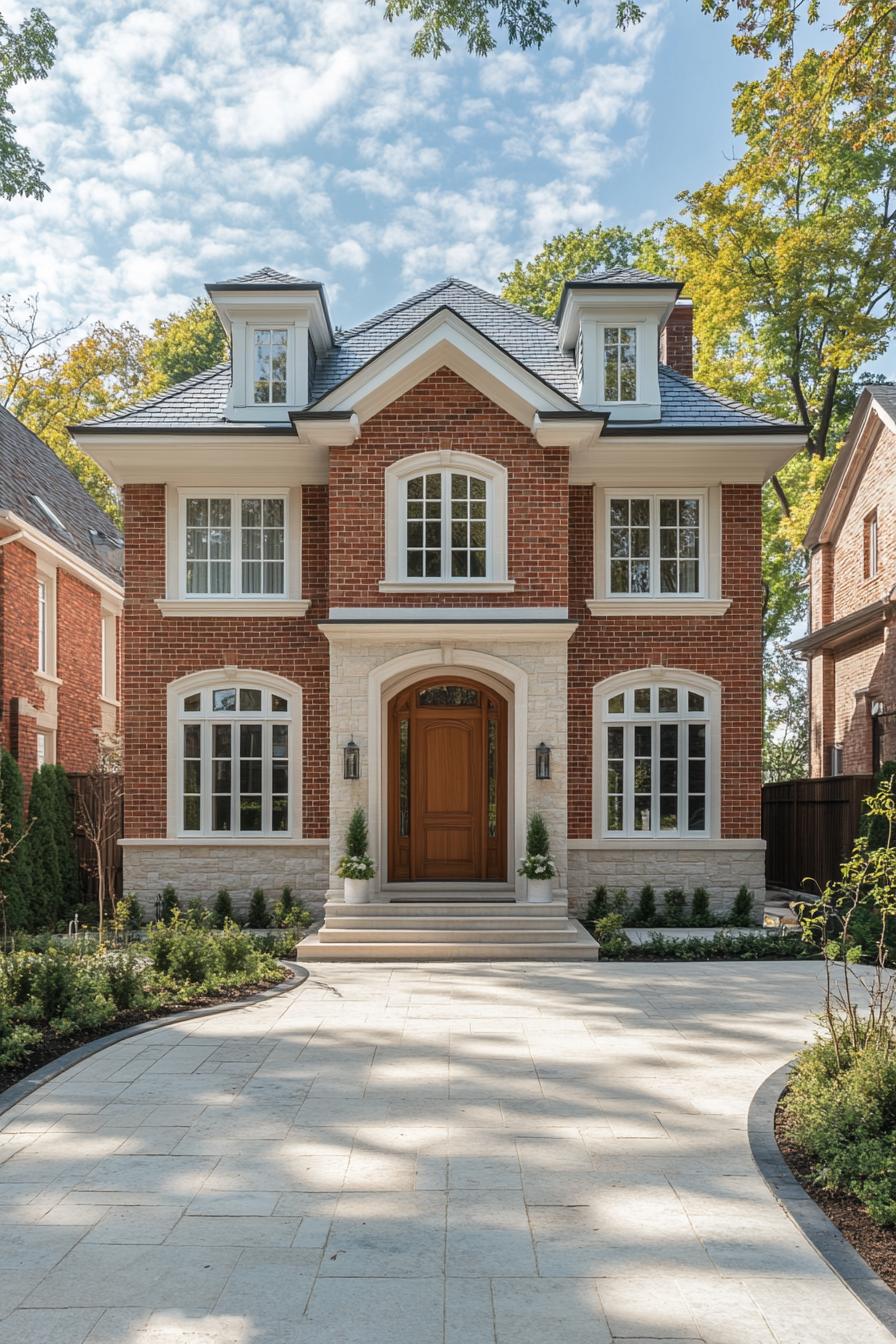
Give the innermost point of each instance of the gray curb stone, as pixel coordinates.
(815, 1225)
(25, 1086)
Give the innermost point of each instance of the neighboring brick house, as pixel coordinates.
(60, 603)
(852, 582)
(446, 537)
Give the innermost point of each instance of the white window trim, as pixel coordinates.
(178, 602)
(638, 328)
(271, 325)
(708, 602)
(656, 676)
(109, 656)
(48, 578)
(49, 737)
(176, 717)
(495, 476)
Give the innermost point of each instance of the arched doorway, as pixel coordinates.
(447, 794)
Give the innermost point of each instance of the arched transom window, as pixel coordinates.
(235, 747)
(655, 759)
(446, 525)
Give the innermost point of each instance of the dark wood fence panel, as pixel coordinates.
(809, 825)
(84, 849)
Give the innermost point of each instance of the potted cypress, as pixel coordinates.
(537, 866)
(356, 866)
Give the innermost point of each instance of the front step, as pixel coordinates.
(403, 909)
(566, 933)
(581, 947)
(546, 923)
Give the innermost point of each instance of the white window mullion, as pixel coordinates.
(266, 792)
(235, 776)
(628, 806)
(683, 827)
(446, 523)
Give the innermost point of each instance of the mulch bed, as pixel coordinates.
(876, 1245)
(53, 1045)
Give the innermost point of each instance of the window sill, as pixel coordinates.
(228, 606)
(658, 606)
(49, 677)
(108, 700)
(447, 586)
(217, 841)
(617, 843)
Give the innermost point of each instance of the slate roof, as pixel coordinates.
(200, 402)
(266, 278)
(624, 275)
(29, 468)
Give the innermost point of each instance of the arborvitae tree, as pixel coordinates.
(43, 852)
(537, 838)
(168, 904)
(598, 906)
(742, 909)
(674, 900)
(700, 912)
(356, 841)
(645, 912)
(15, 872)
(223, 908)
(258, 916)
(69, 871)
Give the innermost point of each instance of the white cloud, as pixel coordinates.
(348, 253)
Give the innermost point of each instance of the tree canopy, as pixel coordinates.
(537, 285)
(26, 53)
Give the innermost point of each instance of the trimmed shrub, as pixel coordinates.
(169, 905)
(284, 910)
(620, 903)
(645, 910)
(537, 839)
(356, 839)
(598, 906)
(69, 872)
(197, 913)
(701, 915)
(124, 979)
(15, 873)
(611, 937)
(741, 916)
(259, 916)
(42, 842)
(673, 904)
(222, 910)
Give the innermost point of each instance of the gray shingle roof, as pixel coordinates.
(201, 401)
(624, 275)
(29, 471)
(266, 278)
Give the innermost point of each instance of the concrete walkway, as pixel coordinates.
(496, 1154)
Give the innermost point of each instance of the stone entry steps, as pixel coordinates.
(433, 929)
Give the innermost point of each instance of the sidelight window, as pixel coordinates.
(656, 760)
(236, 756)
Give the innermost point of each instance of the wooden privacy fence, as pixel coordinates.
(84, 852)
(809, 825)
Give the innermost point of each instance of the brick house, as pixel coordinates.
(60, 603)
(850, 645)
(447, 537)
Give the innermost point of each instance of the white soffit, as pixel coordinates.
(196, 459)
(670, 459)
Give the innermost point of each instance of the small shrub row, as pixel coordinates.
(289, 912)
(676, 912)
(615, 945)
(79, 987)
(39, 876)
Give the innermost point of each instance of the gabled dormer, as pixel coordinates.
(279, 326)
(612, 321)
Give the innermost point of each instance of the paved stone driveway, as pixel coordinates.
(506, 1154)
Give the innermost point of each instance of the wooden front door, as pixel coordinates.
(447, 783)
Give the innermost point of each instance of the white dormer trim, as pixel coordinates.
(301, 312)
(586, 313)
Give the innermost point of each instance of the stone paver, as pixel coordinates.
(435, 1154)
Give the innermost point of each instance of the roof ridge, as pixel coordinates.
(434, 289)
(156, 398)
(715, 395)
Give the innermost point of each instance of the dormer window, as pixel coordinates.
(270, 372)
(620, 367)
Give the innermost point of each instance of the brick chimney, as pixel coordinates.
(677, 339)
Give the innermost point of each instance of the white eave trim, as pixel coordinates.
(578, 431)
(327, 432)
(56, 553)
(195, 459)
(667, 459)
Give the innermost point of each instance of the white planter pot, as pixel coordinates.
(356, 890)
(538, 890)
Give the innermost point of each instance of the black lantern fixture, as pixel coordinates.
(542, 761)
(351, 760)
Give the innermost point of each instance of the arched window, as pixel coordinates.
(236, 747)
(446, 521)
(656, 756)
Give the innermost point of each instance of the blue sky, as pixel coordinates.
(186, 141)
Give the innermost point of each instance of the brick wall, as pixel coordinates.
(727, 648)
(445, 412)
(79, 667)
(18, 652)
(876, 490)
(158, 650)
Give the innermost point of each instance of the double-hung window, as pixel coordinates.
(236, 750)
(42, 627)
(655, 544)
(234, 545)
(656, 760)
(445, 526)
(269, 370)
(620, 363)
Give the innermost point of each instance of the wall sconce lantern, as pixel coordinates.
(351, 760)
(542, 761)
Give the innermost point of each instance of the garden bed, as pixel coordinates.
(875, 1244)
(54, 1044)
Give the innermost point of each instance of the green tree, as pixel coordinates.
(15, 872)
(181, 345)
(26, 54)
(64, 817)
(537, 285)
(785, 743)
(43, 851)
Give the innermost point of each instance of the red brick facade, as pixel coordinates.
(445, 412)
(158, 650)
(78, 665)
(726, 648)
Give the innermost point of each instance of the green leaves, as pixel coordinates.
(26, 54)
(526, 23)
(537, 285)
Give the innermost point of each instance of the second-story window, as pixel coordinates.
(234, 545)
(446, 526)
(870, 547)
(270, 366)
(42, 627)
(620, 364)
(655, 545)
